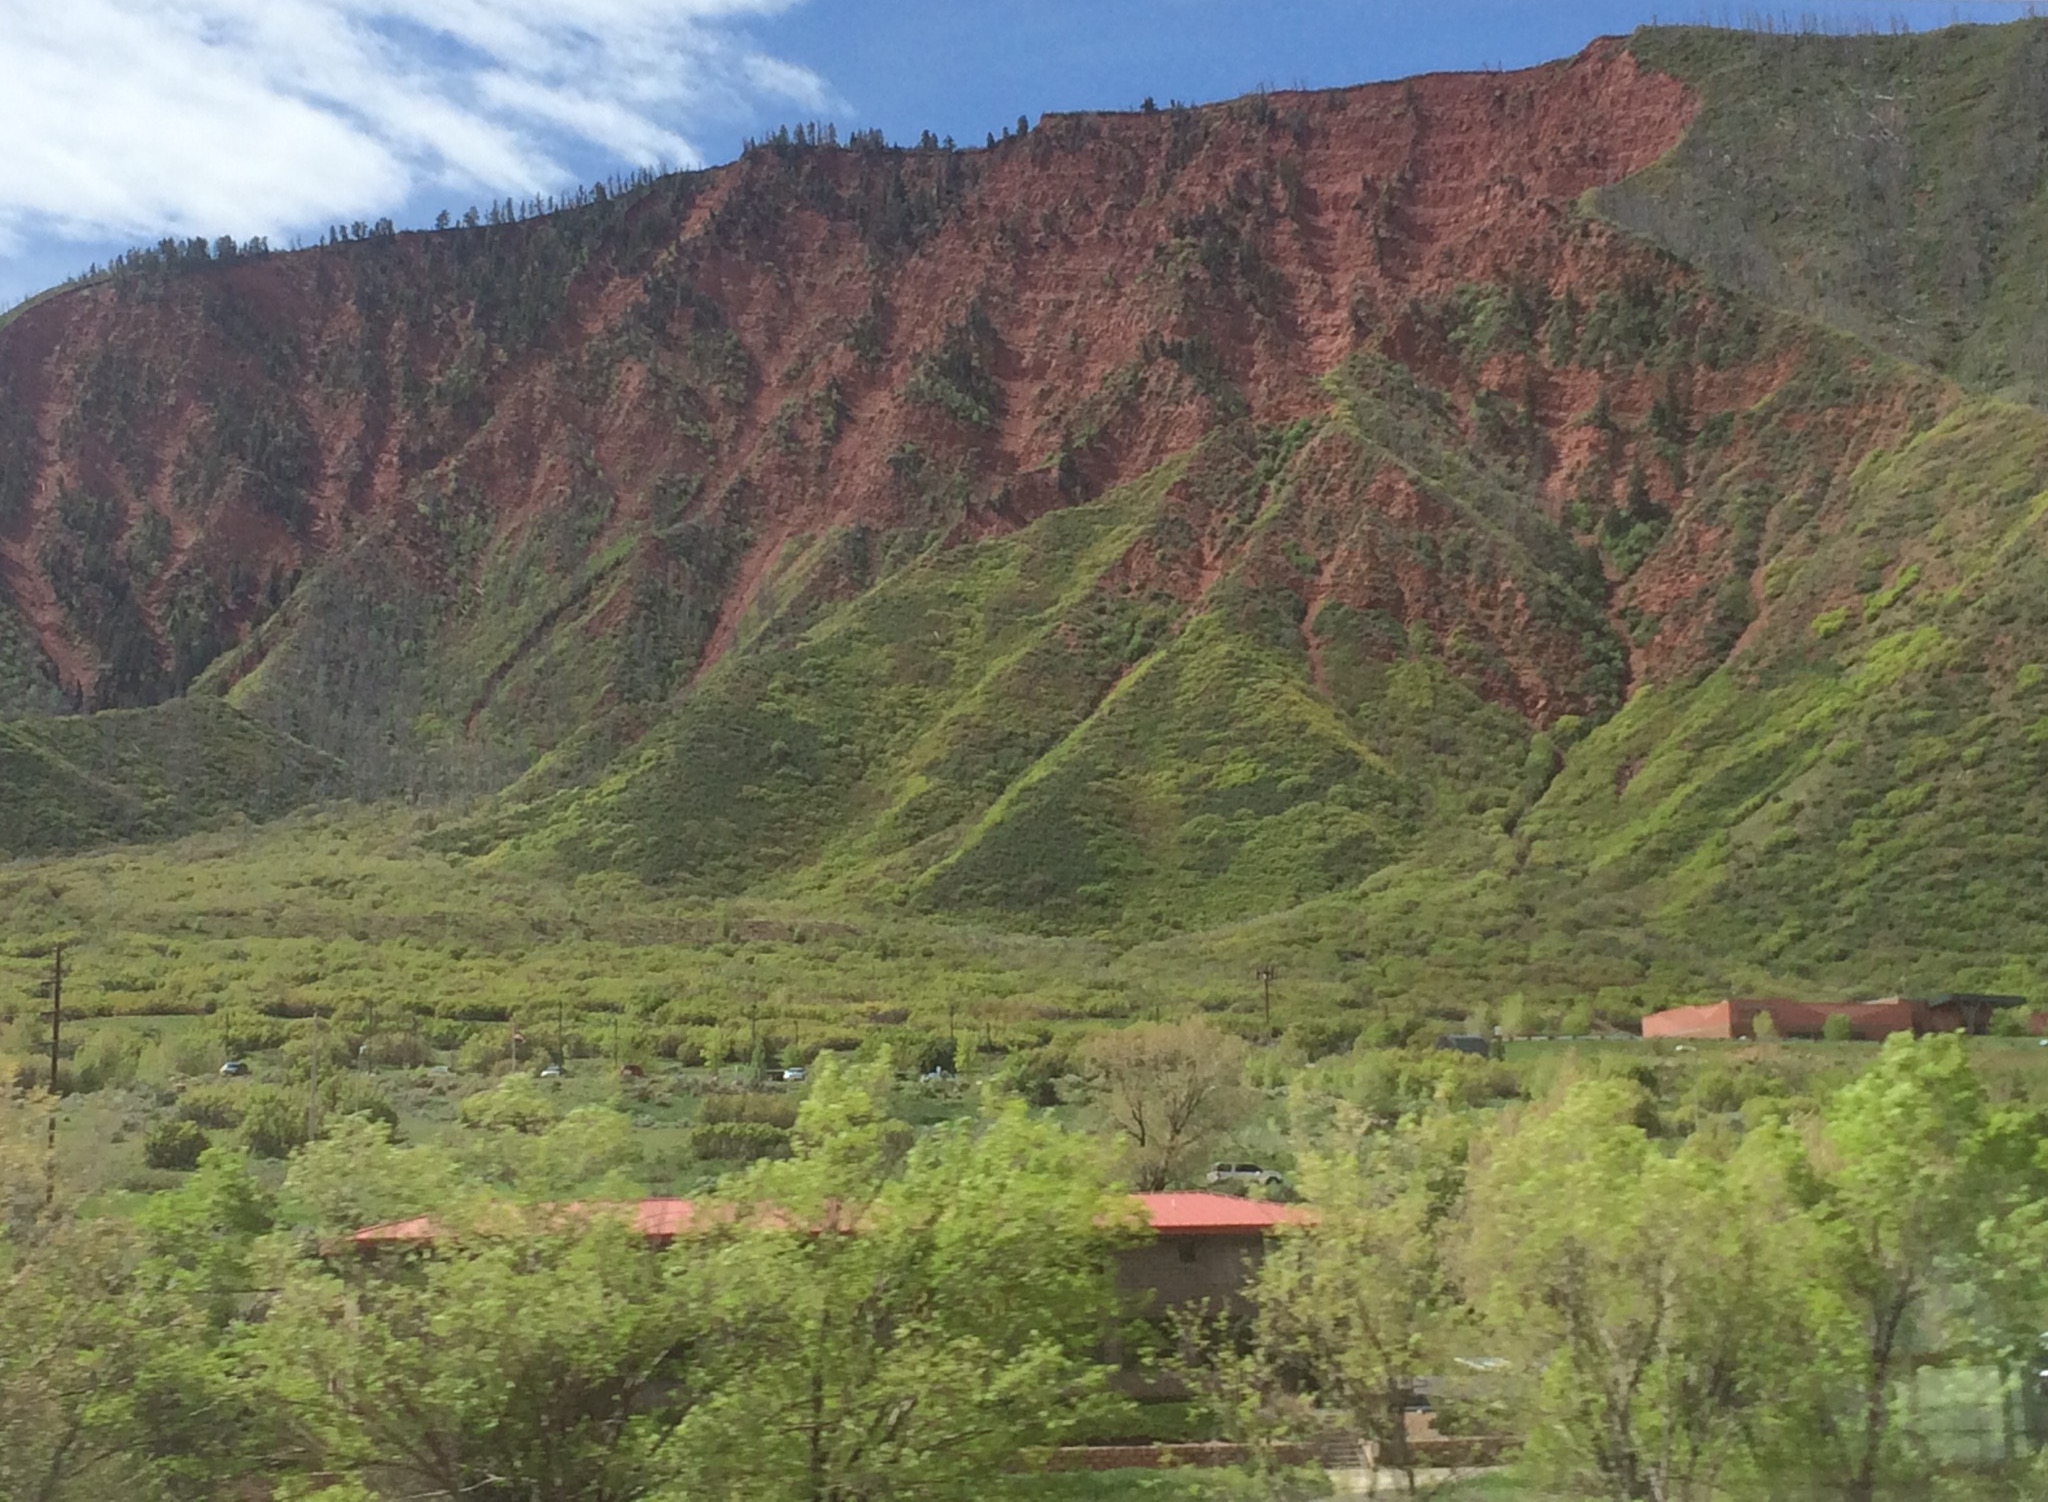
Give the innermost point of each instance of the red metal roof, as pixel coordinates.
(656, 1219)
(419, 1228)
(664, 1217)
(1188, 1214)
(1203, 1214)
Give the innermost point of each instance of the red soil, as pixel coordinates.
(1343, 208)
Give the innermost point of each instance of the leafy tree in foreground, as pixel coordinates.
(1358, 1306)
(879, 1333)
(525, 1354)
(1638, 1293)
(1913, 1179)
(115, 1374)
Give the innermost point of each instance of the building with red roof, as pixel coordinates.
(1868, 1020)
(1203, 1246)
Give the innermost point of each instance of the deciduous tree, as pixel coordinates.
(1636, 1292)
(879, 1333)
(1168, 1088)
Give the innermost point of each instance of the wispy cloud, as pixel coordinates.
(133, 118)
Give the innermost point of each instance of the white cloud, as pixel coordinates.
(136, 118)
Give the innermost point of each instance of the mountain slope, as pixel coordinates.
(939, 344)
(1421, 528)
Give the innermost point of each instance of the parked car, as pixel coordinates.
(234, 1066)
(793, 1076)
(551, 1072)
(1243, 1173)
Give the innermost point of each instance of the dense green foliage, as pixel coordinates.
(1771, 1271)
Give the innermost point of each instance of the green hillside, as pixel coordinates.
(145, 774)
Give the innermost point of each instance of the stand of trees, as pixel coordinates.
(1733, 1316)
(1736, 1312)
(876, 1317)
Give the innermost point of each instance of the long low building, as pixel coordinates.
(1955, 1011)
(1204, 1246)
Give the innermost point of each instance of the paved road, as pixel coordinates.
(1445, 1484)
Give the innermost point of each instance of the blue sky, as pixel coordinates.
(126, 120)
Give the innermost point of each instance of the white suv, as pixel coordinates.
(1243, 1173)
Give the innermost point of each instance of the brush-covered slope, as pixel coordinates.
(1853, 803)
(1280, 663)
(147, 774)
(1896, 186)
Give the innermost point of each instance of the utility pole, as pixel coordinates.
(56, 1026)
(313, 1087)
(562, 1028)
(1265, 974)
(56, 1011)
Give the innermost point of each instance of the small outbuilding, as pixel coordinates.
(1204, 1247)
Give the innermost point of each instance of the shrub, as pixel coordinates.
(925, 1055)
(273, 1123)
(1837, 1028)
(243, 1031)
(335, 1053)
(1318, 1040)
(352, 1095)
(107, 1059)
(739, 1141)
(215, 1105)
(173, 1142)
(770, 1110)
(2011, 1022)
(399, 1050)
(182, 1053)
(480, 1051)
(518, 1104)
(1035, 1074)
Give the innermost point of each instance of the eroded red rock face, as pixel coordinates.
(814, 338)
